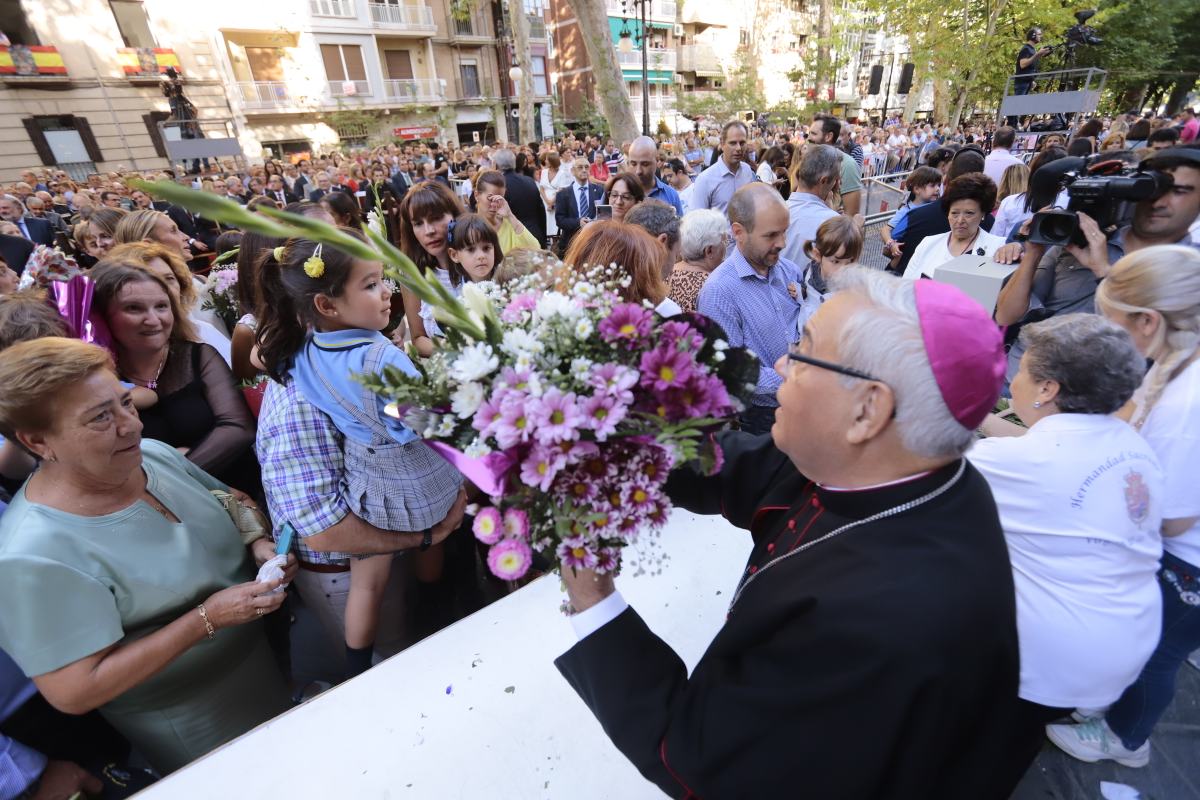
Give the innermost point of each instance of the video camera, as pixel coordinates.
(1106, 191)
(1079, 33)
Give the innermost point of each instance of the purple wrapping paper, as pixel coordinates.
(73, 299)
(488, 473)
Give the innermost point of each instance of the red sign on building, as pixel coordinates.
(425, 132)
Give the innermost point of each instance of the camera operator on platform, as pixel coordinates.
(1063, 280)
(1028, 58)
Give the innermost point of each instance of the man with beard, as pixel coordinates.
(752, 294)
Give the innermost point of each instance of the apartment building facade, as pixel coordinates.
(81, 84)
(80, 80)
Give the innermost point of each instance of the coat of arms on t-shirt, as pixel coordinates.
(1137, 497)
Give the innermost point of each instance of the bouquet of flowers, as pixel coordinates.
(47, 264)
(570, 412)
(566, 405)
(221, 295)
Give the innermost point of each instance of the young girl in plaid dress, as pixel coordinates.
(320, 317)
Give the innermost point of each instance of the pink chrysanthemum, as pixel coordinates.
(541, 466)
(517, 306)
(555, 417)
(680, 335)
(509, 559)
(488, 526)
(608, 560)
(666, 368)
(514, 425)
(614, 380)
(576, 552)
(627, 324)
(487, 416)
(602, 413)
(516, 523)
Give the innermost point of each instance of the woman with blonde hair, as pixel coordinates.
(1014, 181)
(1154, 294)
(168, 265)
(1114, 141)
(102, 230)
(148, 225)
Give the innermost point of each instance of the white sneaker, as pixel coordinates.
(1088, 714)
(1094, 741)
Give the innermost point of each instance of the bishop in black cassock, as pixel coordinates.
(870, 650)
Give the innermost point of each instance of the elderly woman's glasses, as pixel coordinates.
(624, 198)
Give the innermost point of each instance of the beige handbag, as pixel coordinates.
(250, 522)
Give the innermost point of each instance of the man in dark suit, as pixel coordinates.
(276, 190)
(523, 195)
(403, 180)
(930, 219)
(15, 251)
(38, 231)
(324, 187)
(575, 205)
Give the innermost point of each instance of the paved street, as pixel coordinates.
(1173, 773)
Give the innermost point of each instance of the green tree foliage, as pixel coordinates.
(1142, 40)
(741, 93)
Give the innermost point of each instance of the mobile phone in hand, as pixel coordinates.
(603, 211)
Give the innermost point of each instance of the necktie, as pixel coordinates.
(24, 229)
(584, 208)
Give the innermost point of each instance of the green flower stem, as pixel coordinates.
(285, 225)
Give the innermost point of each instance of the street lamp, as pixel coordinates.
(516, 73)
(625, 45)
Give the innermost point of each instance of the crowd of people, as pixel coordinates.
(134, 473)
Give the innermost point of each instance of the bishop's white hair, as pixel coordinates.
(885, 341)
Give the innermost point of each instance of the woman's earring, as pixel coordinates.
(1037, 403)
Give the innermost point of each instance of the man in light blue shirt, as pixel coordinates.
(716, 185)
(753, 294)
(808, 206)
(642, 161)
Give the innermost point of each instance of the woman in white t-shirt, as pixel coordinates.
(1080, 497)
(1154, 294)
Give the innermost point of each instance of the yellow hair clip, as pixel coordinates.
(314, 267)
(278, 254)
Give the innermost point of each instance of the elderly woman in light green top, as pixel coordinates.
(124, 585)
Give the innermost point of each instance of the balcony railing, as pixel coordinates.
(664, 10)
(537, 27)
(474, 26)
(657, 59)
(658, 104)
(406, 16)
(349, 88)
(31, 61)
(699, 58)
(264, 94)
(414, 90)
(332, 8)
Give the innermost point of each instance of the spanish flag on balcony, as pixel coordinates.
(31, 60)
(147, 60)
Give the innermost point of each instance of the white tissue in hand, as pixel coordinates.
(272, 571)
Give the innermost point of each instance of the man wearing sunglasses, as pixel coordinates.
(870, 650)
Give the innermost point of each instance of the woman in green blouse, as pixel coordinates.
(124, 586)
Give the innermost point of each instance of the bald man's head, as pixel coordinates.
(642, 161)
(747, 203)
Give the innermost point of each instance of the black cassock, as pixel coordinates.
(879, 663)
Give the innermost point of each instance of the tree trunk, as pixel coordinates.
(989, 32)
(520, 30)
(824, 34)
(611, 94)
(913, 99)
(1179, 93)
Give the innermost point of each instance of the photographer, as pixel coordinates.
(1063, 280)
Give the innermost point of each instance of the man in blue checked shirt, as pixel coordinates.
(753, 293)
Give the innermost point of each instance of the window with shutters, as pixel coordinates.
(65, 141)
(344, 62)
(132, 22)
(540, 86)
